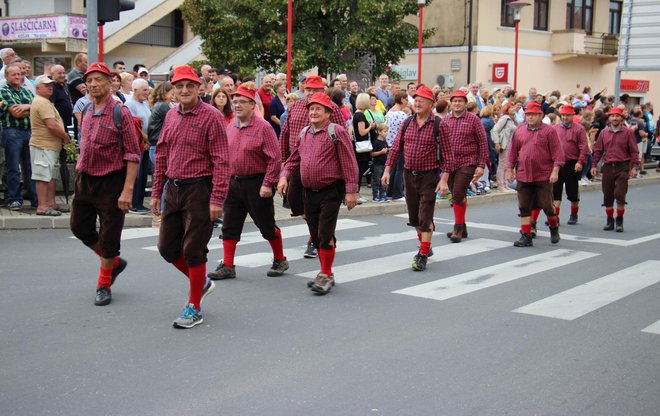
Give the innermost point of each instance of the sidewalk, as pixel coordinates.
(26, 218)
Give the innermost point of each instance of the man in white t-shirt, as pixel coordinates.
(139, 105)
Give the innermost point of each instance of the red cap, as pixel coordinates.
(567, 110)
(185, 72)
(97, 67)
(314, 82)
(424, 92)
(533, 108)
(320, 98)
(244, 91)
(615, 111)
(458, 94)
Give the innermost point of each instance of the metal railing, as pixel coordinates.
(601, 44)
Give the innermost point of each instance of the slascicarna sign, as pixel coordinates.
(43, 27)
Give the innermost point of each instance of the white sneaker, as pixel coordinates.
(361, 200)
(402, 199)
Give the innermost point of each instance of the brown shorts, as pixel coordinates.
(615, 184)
(321, 212)
(420, 198)
(243, 199)
(97, 196)
(294, 195)
(186, 227)
(459, 182)
(535, 195)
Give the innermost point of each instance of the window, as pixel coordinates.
(541, 14)
(616, 7)
(506, 18)
(579, 14)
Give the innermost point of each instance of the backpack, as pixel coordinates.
(116, 117)
(331, 132)
(436, 133)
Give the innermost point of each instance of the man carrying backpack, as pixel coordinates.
(328, 172)
(104, 186)
(418, 139)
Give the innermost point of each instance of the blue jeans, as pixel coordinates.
(376, 188)
(395, 189)
(17, 154)
(141, 181)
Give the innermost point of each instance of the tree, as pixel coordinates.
(249, 34)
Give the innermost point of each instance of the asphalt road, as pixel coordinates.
(488, 329)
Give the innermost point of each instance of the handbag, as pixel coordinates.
(363, 146)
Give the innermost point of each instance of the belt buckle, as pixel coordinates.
(176, 182)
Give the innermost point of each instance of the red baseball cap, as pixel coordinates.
(97, 67)
(615, 111)
(185, 72)
(322, 99)
(424, 92)
(314, 82)
(244, 91)
(533, 108)
(567, 110)
(458, 94)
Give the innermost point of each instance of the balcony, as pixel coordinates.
(573, 43)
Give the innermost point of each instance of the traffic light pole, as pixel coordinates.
(92, 33)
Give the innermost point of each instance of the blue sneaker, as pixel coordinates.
(217, 223)
(376, 199)
(189, 318)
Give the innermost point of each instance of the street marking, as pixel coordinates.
(581, 300)
(296, 253)
(450, 287)
(133, 233)
(291, 231)
(374, 267)
(541, 233)
(653, 328)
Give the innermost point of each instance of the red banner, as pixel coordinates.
(635, 85)
(500, 73)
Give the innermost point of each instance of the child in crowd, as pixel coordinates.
(379, 155)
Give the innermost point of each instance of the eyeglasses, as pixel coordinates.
(188, 86)
(240, 102)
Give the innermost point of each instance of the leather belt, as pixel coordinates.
(421, 172)
(184, 182)
(247, 177)
(624, 163)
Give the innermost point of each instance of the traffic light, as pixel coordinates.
(108, 10)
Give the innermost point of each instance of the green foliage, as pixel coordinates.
(71, 151)
(249, 34)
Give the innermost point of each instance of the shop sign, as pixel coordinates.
(43, 27)
(635, 85)
(500, 73)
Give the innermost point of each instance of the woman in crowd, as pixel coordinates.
(290, 99)
(394, 119)
(501, 136)
(365, 129)
(375, 112)
(220, 99)
(126, 84)
(442, 108)
(116, 86)
(337, 97)
(497, 112)
(278, 106)
(487, 121)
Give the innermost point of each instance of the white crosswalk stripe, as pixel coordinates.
(653, 328)
(475, 280)
(596, 294)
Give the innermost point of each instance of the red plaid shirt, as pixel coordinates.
(193, 145)
(321, 162)
(468, 143)
(573, 140)
(297, 119)
(100, 152)
(616, 146)
(253, 150)
(534, 153)
(419, 146)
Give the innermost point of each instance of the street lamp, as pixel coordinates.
(289, 36)
(516, 6)
(421, 4)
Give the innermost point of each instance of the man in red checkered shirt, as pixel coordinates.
(297, 119)
(535, 157)
(254, 172)
(329, 174)
(107, 168)
(192, 161)
(469, 154)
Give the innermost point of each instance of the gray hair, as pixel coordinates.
(139, 83)
(5, 52)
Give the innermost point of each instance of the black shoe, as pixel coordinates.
(223, 272)
(533, 234)
(120, 268)
(610, 224)
(554, 235)
(310, 252)
(419, 262)
(572, 220)
(103, 296)
(524, 241)
(619, 224)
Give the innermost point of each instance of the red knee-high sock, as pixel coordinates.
(326, 257)
(424, 248)
(105, 277)
(619, 212)
(197, 276)
(276, 246)
(552, 221)
(556, 212)
(181, 264)
(609, 212)
(535, 214)
(575, 209)
(229, 250)
(459, 214)
(526, 228)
